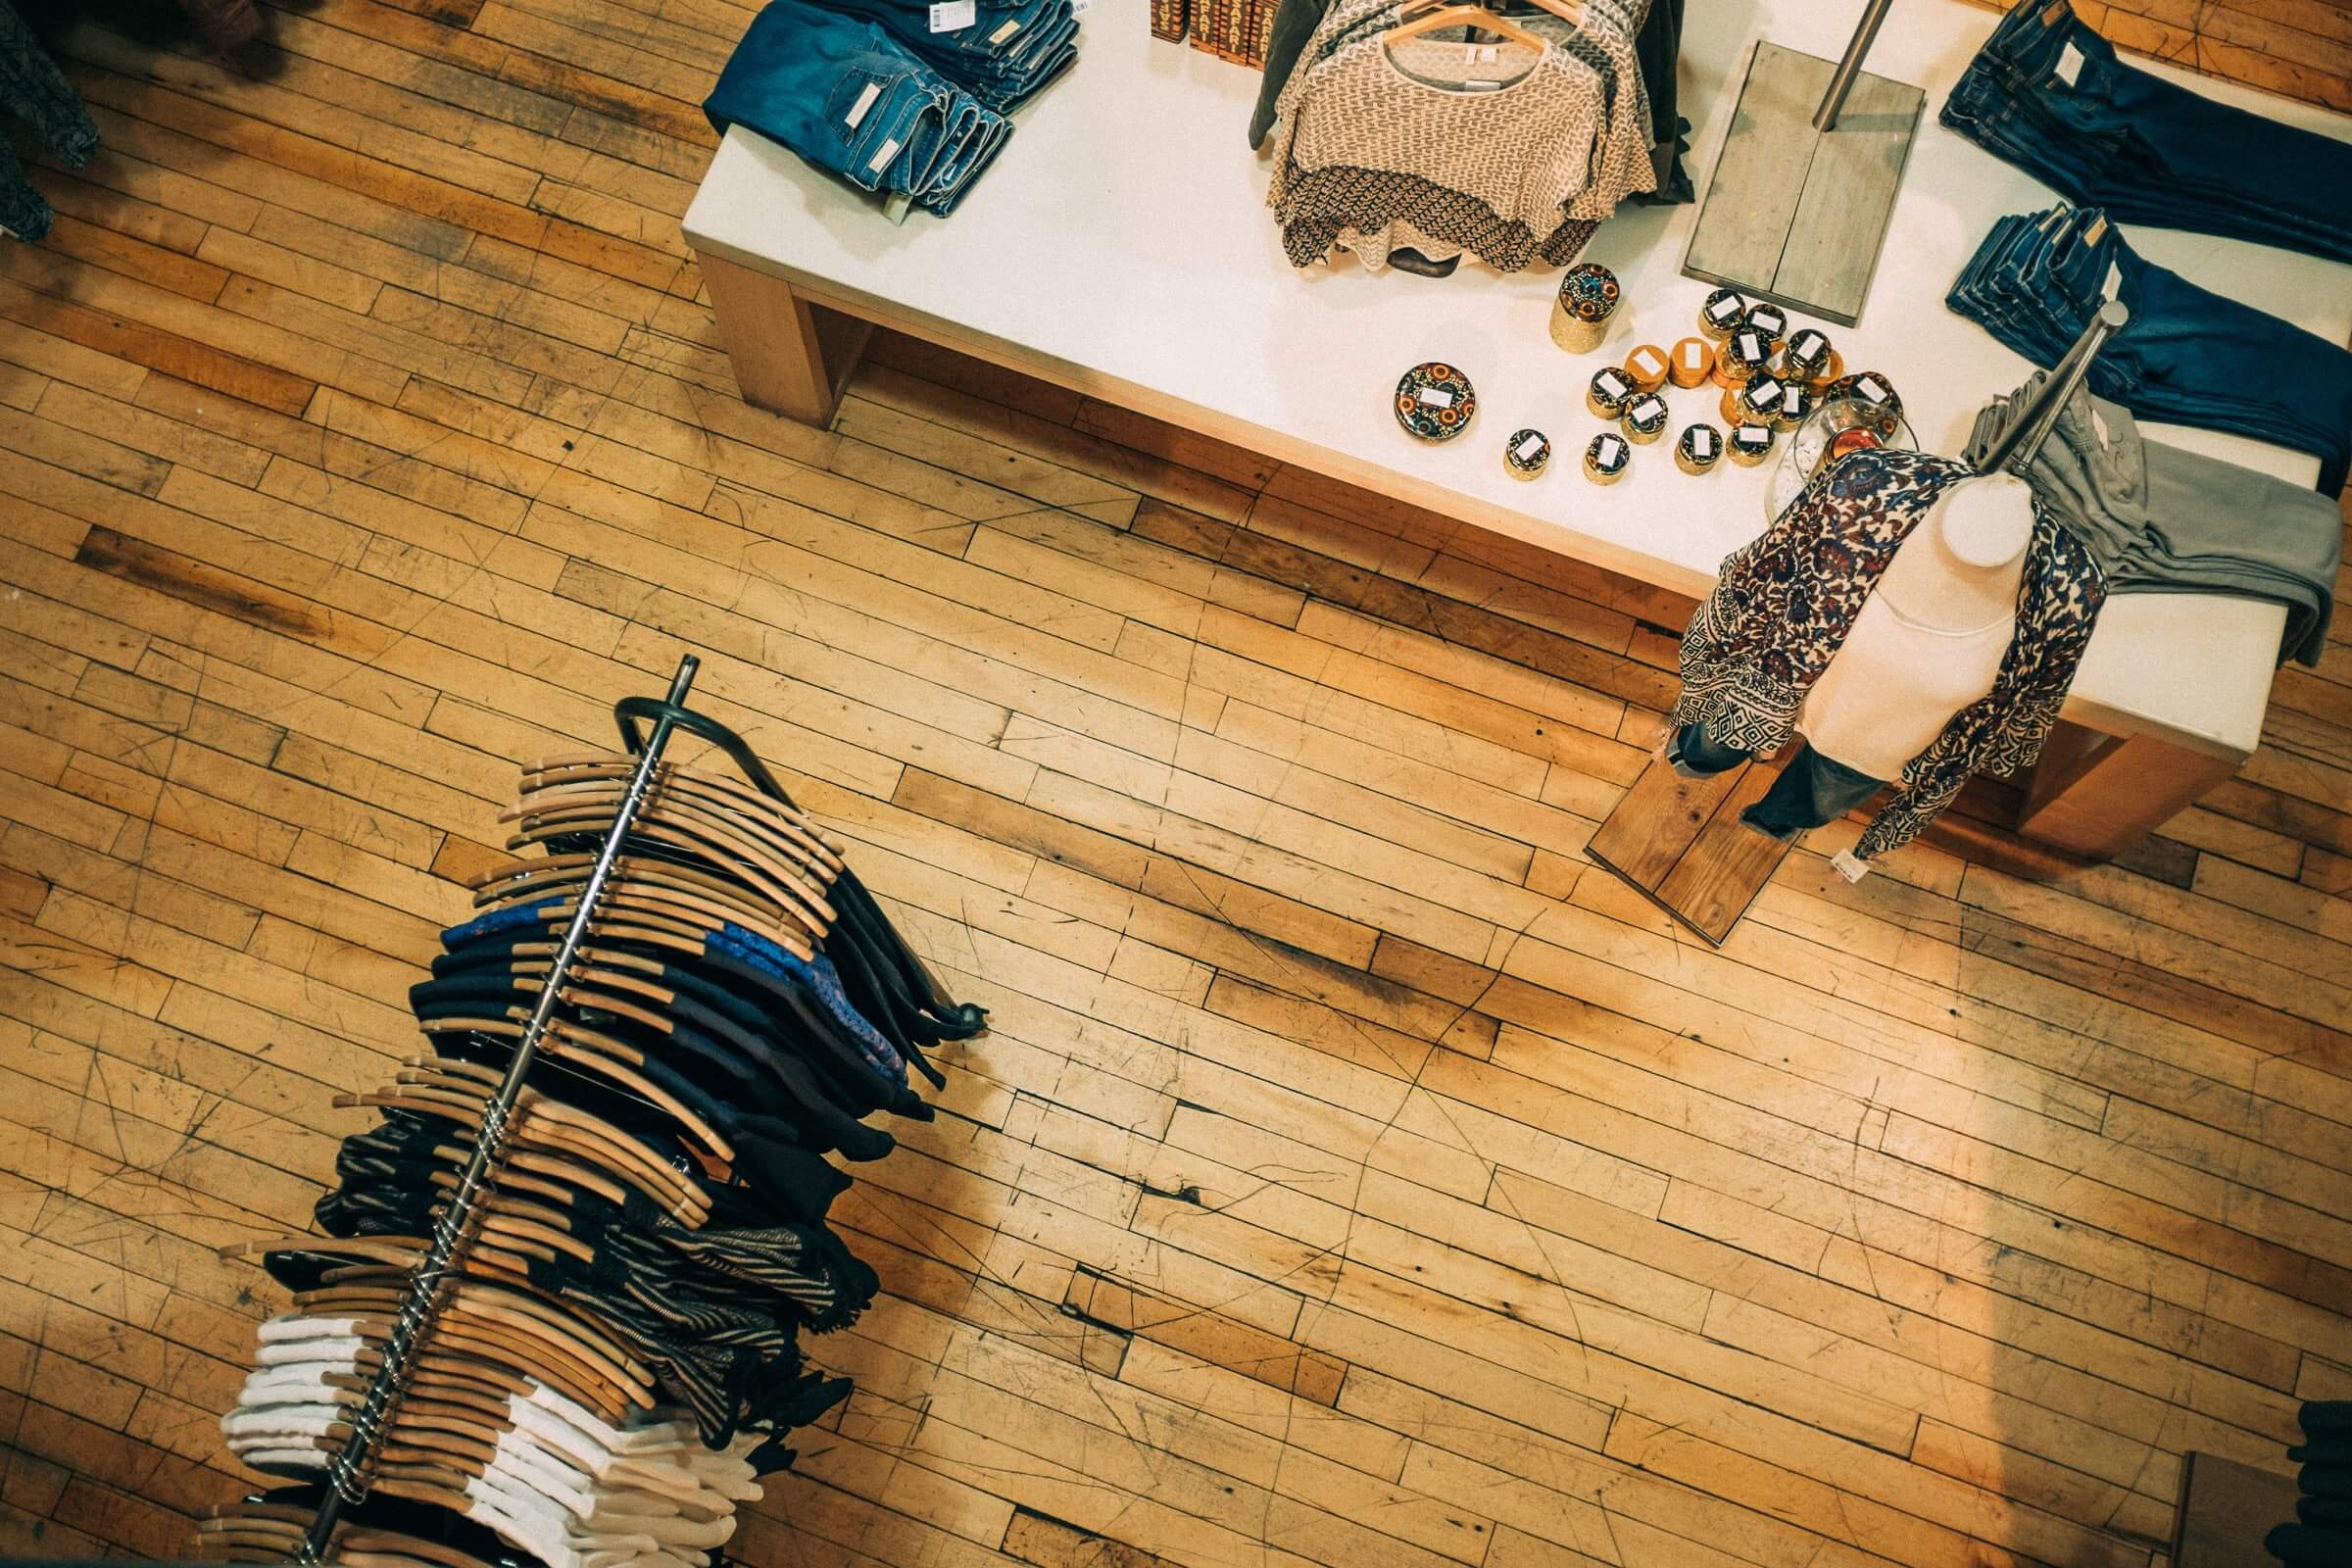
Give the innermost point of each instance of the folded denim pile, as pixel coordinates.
(2158, 519)
(2048, 94)
(868, 91)
(2188, 355)
(1002, 52)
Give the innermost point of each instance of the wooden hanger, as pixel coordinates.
(540, 1119)
(1460, 16)
(610, 765)
(756, 868)
(636, 870)
(789, 838)
(588, 1047)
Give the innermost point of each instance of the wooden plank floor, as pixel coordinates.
(1353, 1176)
(2301, 48)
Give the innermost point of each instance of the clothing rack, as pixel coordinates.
(347, 1473)
(2017, 449)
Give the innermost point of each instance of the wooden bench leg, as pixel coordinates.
(2098, 794)
(772, 338)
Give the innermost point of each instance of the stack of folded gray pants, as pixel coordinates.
(2159, 520)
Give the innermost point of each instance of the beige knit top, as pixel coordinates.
(1447, 146)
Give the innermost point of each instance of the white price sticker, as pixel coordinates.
(1525, 450)
(883, 155)
(1609, 450)
(1612, 385)
(1751, 347)
(1870, 387)
(1079, 8)
(1645, 363)
(2070, 64)
(1434, 397)
(1702, 442)
(954, 15)
(865, 100)
(2114, 281)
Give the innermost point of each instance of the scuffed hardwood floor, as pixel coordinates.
(1353, 1176)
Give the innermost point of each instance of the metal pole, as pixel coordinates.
(453, 1233)
(1849, 66)
(2034, 422)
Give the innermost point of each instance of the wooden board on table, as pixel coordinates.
(1796, 215)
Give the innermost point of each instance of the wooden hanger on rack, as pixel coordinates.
(1461, 15)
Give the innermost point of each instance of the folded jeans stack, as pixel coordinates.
(2158, 519)
(2187, 354)
(2048, 94)
(855, 101)
(1004, 54)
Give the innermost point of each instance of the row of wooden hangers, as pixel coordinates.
(1430, 15)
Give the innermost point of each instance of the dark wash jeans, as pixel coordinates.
(2188, 355)
(2049, 95)
(854, 102)
(1811, 790)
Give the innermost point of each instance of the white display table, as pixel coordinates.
(1122, 247)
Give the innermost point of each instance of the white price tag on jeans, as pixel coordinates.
(2114, 284)
(1079, 8)
(1436, 397)
(882, 156)
(954, 15)
(2070, 63)
(865, 100)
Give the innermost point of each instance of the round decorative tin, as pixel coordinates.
(1742, 358)
(1759, 401)
(1751, 444)
(1807, 350)
(1580, 313)
(1697, 449)
(1870, 387)
(1645, 418)
(1648, 366)
(1434, 401)
(1526, 454)
(1693, 362)
(1795, 403)
(1723, 311)
(1770, 321)
(1611, 389)
(1607, 459)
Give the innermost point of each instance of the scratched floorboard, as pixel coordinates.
(1352, 1176)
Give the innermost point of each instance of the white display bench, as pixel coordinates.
(1122, 247)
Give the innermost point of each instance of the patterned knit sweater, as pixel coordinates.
(1375, 148)
(1785, 601)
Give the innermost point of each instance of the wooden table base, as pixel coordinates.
(1679, 842)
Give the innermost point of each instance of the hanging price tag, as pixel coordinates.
(954, 15)
(2070, 64)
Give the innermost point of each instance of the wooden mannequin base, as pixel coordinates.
(1679, 842)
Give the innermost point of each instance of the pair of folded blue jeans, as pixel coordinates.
(1810, 791)
(2049, 95)
(1004, 57)
(2188, 355)
(854, 102)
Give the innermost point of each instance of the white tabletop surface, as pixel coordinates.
(1122, 245)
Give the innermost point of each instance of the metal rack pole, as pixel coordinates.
(452, 1232)
(2019, 445)
(1849, 66)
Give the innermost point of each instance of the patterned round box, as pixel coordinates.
(1434, 402)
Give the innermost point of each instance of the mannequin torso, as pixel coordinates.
(1932, 635)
